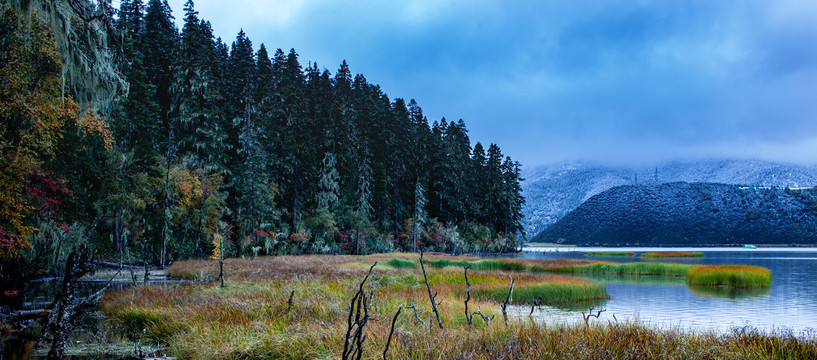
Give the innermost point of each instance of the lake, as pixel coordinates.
(790, 303)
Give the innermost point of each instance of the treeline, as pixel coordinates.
(690, 214)
(222, 149)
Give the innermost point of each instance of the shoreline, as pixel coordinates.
(658, 248)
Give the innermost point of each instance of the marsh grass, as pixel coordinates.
(610, 253)
(735, 276)
(552, 293)
(671, 254)
(635, 268)
(250, 319)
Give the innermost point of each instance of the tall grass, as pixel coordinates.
(556, 293)
(250, 318)
(635, 268)
(610, 253)
(671, 254)
(737, 276)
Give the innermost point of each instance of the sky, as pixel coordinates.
(610, 82)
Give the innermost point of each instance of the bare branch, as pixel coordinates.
(487, 319)
(468, 317)
(536, 302)
(289, 302)
(430, 297)
(353, 343)
(415, 314)
(590, 314)
(393, 321)
(507, 301)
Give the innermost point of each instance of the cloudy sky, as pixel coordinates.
(614, 82)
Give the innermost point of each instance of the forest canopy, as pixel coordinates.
(150, 144)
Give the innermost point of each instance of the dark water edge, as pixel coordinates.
(40, 294)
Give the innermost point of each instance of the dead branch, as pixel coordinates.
(371, 290)
(415, 314)
(353, 343)
(590, 314)
(66, 310)
(388, 342)
(468, 316)
(487, 319)
(536, 302)
(289, 302)
(432, 298)
(507, 301)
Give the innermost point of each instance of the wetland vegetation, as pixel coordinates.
(298, 307)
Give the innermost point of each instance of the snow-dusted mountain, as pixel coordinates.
(553, 191)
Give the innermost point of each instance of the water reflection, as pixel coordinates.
(668, 302)
(727, 292)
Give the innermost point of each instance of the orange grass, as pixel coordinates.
(251, 319)
(738, 276)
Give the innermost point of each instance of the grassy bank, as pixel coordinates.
(672, 254)
(737, 276)
(252, 316)
(634, 268)
(610, 253)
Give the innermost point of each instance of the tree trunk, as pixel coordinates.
(165, 229)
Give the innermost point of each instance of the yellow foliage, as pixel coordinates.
(93, 124)
(217, 250)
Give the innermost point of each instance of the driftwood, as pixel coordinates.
(359, 309)
(432, 298)
(110, 265)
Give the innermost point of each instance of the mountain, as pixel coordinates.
(553, 191)
(681, 214)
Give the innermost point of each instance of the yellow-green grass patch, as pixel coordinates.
(737, 276)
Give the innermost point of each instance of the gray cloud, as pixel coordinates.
(610, 81)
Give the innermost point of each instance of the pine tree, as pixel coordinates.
(328, 187)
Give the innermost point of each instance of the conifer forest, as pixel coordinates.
(151, 144)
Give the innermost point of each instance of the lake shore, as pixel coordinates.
(638, 249)
(298, 307)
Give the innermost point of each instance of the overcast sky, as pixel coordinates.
(613, 82)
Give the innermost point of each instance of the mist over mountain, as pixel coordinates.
(553, 191)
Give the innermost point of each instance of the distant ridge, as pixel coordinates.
(553, 191)
(680, 214)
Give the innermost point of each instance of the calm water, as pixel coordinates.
(790, 303)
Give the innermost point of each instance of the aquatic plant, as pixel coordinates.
(610, 253)
(253, 316)
(672, 254)
(737, 276)
(635, 268)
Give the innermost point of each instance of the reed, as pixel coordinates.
(635, 268)
(553, 293)
(736, 276)
(672, 254)
(250, 317)
(610, 253)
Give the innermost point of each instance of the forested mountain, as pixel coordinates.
(684, 214)
(221, 147)
(553, 191)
